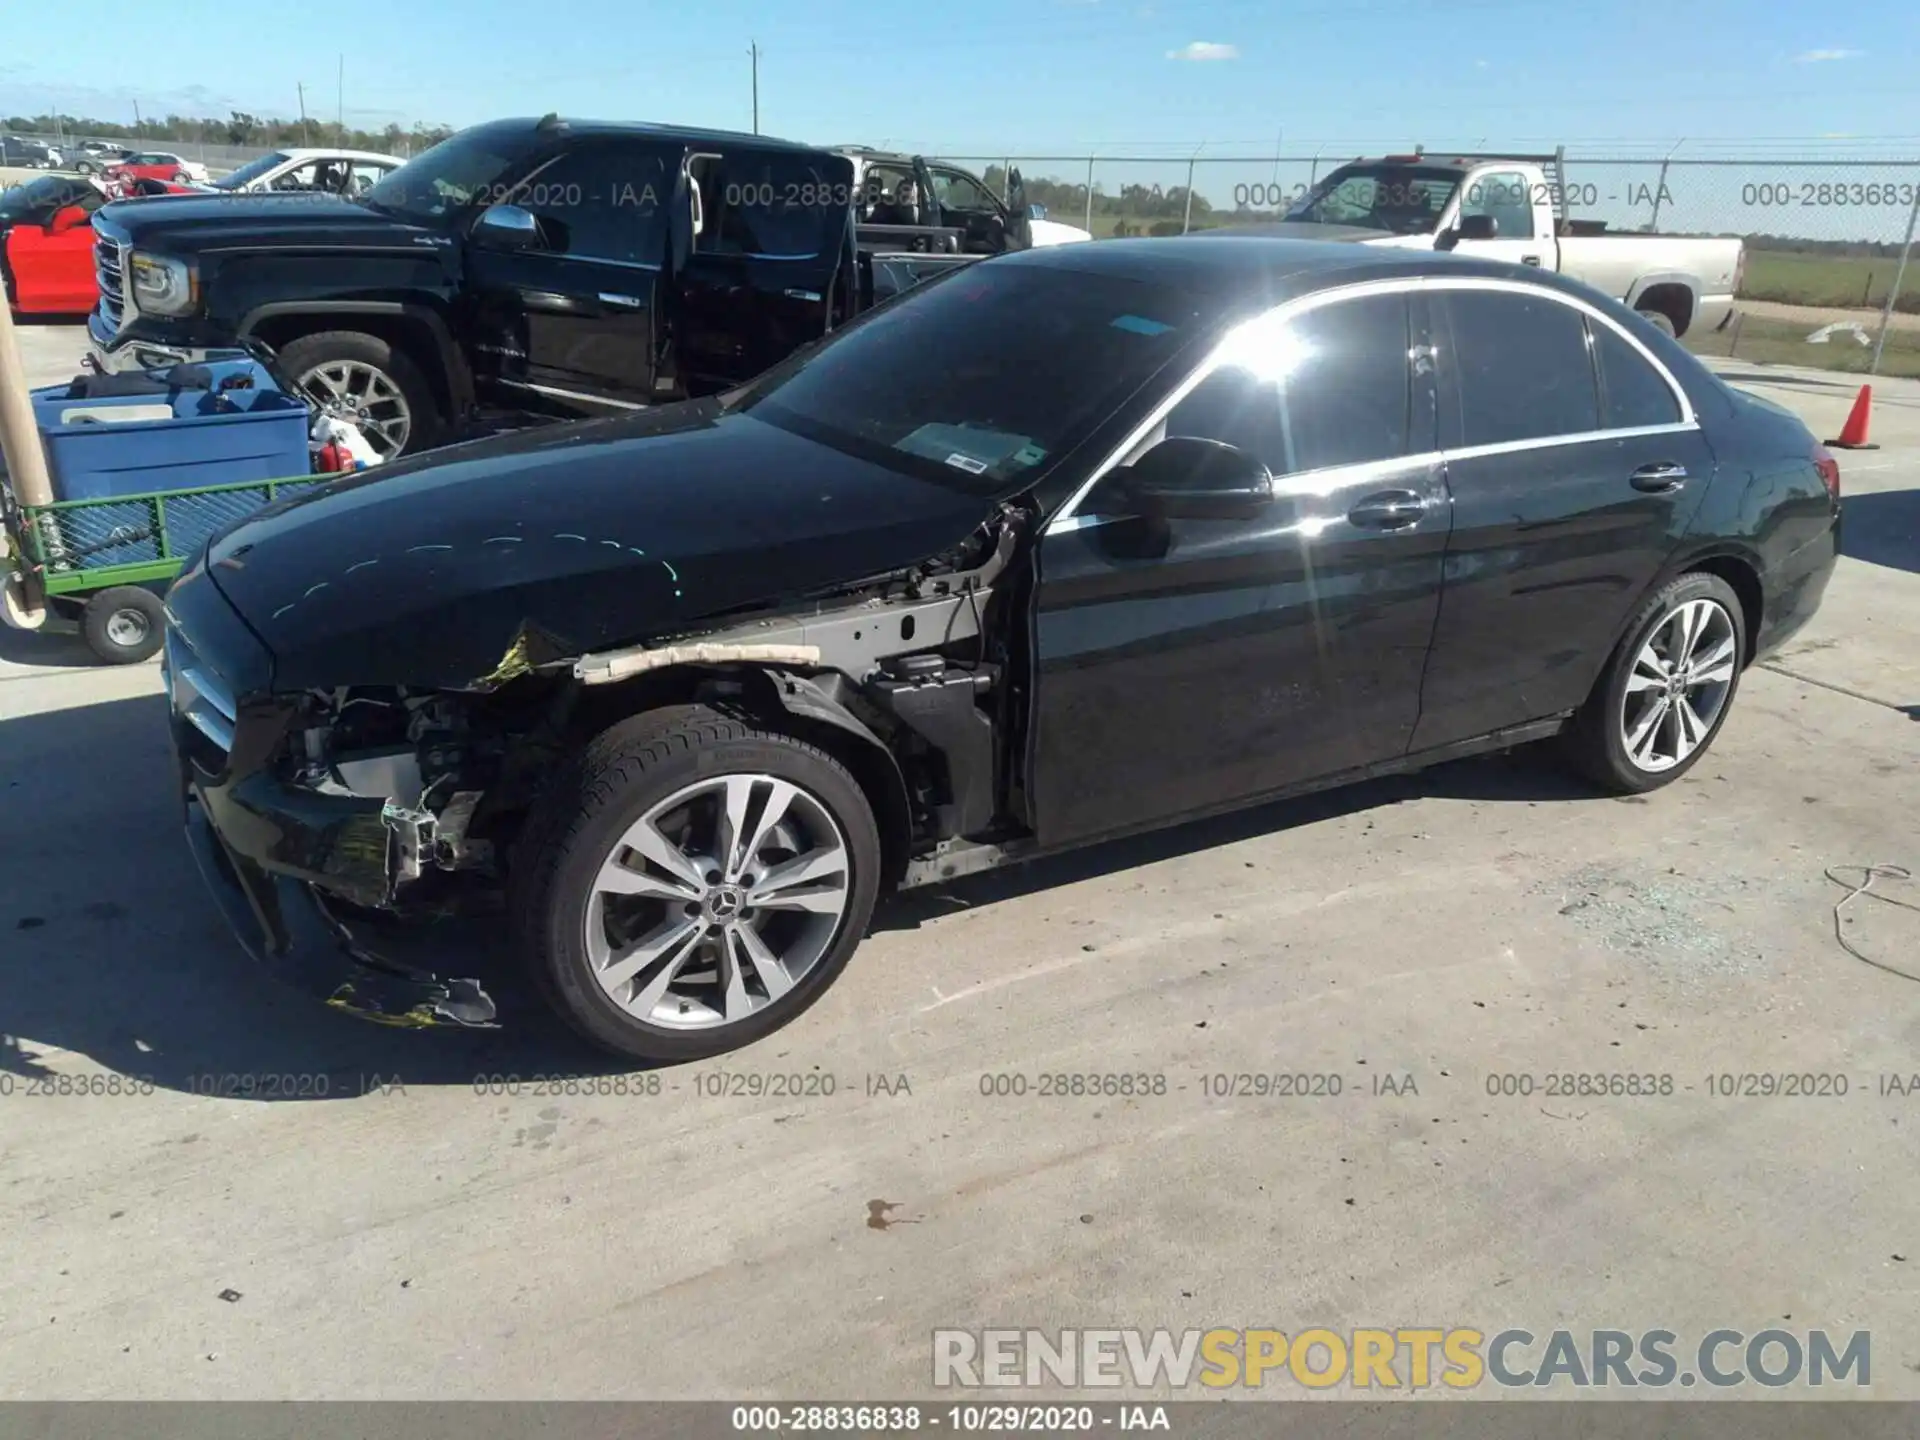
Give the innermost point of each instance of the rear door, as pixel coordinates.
(769, 266)
(1206, 662)
(1575, 463)
(572, 319)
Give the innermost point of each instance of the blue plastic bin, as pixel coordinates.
(213, 438)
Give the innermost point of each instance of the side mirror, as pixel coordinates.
(1468, 227)
(507, 227)
(1187, 478)
(67, 217)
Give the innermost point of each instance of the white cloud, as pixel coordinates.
(1479, 64)
(1814, 57)
(1205, 50)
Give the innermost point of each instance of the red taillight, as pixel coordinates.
(1829, 469)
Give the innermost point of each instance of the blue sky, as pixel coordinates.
(1033, 76)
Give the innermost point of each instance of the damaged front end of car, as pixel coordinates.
(364, 837)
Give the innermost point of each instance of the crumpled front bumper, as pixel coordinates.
(402, 972)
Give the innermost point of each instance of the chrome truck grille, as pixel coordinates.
(110, 251)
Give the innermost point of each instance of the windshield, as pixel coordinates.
(444, 180)
(250, 171)
(984, 375)
(1403, 199)
(37, 197)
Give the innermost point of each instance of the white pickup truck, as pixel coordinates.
(1506, 208)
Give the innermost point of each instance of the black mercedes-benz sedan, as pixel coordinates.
(1070, 543)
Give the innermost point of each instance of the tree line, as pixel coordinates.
(239, 129)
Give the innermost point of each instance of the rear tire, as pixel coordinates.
(1666, 692)
(124, 625)
(357, 363)
(641, 950)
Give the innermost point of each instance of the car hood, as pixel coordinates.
(569, 538)
(185, 224)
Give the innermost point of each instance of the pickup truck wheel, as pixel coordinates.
(361, 378)
(124, 625)
(691, 883)
(1659, 320)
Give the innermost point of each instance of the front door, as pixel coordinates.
(1507, 197)
(570, 319)
(1575, 466)
(769, 265)
(1195, 663)
(967, 204)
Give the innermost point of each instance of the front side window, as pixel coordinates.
(1330, 386)
(776, 205)
(957, 190)
(983, 376)
(1506, 196)
(1520, 367)
(601, 202)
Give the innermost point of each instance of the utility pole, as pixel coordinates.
(306, 135)
(139, 125)
(19, 435)
(340, 99)
(754, 51)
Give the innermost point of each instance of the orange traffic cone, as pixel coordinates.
(1853, 434)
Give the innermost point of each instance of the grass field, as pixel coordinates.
(1784, 342)
(1806, 279)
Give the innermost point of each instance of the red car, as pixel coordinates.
(159, 165)
(46, 245)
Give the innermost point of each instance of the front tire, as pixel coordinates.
(124, 625)
(1667, 690)
(691, 883)
(363, 379)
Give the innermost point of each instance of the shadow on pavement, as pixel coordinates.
(58, 645)
(1528, 775)
(110, 947)
(1882, 528)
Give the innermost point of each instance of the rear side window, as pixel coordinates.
(600, 202)
(1632, 392)
(786, 206)
(1330, 387)
(1520, 367)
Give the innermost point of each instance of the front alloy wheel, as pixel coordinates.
(360, 394)
(692, 881)
(717, 901)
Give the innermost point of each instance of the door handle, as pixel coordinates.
(1659, 478)
(1388, 510)
(811, 296)
(620, 302)
(1530, 260)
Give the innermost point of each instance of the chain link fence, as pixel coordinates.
(1828, 238)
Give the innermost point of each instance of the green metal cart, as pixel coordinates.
(106, 563)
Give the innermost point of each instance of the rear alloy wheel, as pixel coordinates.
(694, 883)
(1667, 690)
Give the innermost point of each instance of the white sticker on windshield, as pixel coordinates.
(967, 463)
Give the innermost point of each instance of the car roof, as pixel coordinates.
(301, 152)
(1267, 268)
(641, 128)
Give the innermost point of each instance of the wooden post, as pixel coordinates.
(19, 436)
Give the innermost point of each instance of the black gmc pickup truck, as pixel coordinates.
(537, 268)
